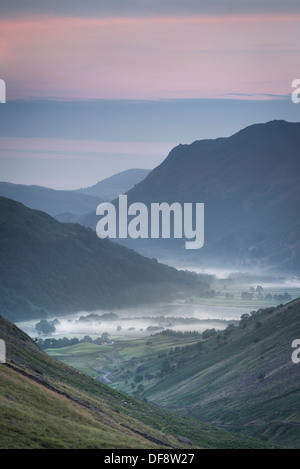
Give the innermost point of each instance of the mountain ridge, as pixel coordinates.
(119, 183)
(249, 183)
(72, 205)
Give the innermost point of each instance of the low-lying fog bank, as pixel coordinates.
(234, 294)
(141, 321)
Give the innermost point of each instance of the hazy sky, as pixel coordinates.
(96, 87)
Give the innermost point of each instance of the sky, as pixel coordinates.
(97, 87)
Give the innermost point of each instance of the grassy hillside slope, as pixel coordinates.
(46, 404)
(242, 379)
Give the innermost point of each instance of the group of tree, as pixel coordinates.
(50, 343)
(45, 327)
(180, 334)
(257, 293)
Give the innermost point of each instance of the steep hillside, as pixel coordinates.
(249, 184)
(242, 379)
(56, 268)
(48, 405)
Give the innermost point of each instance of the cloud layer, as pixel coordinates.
(149, 58)
(94, 8)
(95, 81)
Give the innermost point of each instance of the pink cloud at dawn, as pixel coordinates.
(149, 58)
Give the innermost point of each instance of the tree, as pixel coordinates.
(244, 320)
(105, 336)
(138, 378)
(247, 295)
(87, 339)
(45, 327)
(166, 366)
(208, 333)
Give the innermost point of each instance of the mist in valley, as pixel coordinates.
(230, 295)
(139, 322)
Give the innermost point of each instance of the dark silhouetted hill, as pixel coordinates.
(249, 183)
(52, 267)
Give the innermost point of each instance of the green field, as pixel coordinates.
(119, 364)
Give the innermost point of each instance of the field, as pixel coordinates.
(127, 360)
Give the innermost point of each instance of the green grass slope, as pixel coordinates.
(242, 379)
(47, 404)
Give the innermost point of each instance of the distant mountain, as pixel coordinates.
(50, 201)
(108, 190)
(73, 206)
(119, 183)
(46, 404)
(48, 267)
(249, 184)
